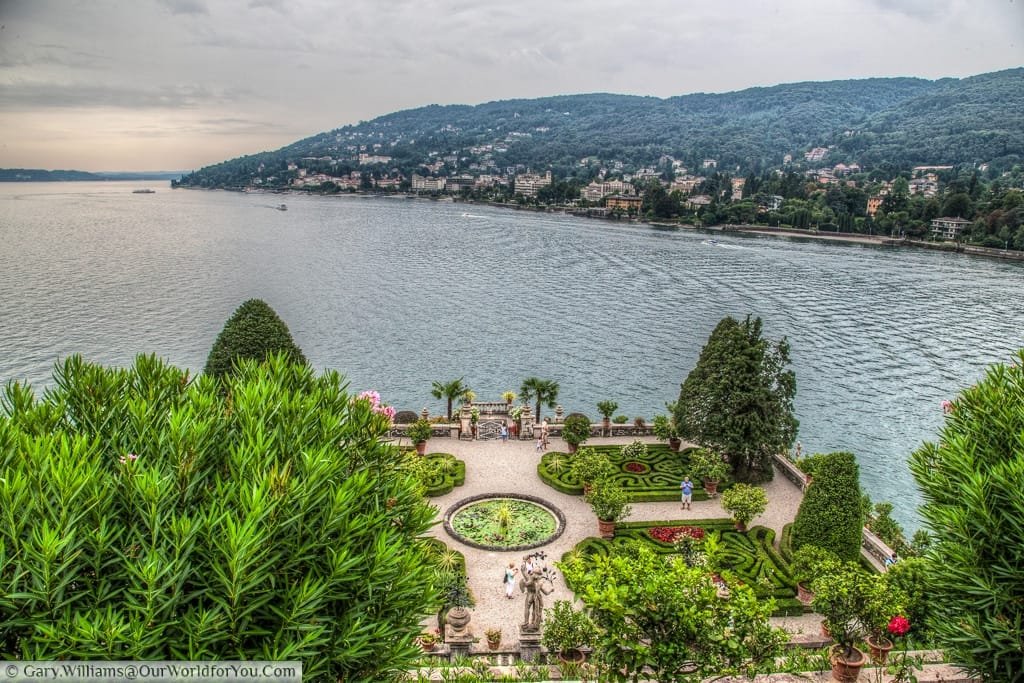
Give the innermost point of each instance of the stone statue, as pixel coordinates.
(531, 584)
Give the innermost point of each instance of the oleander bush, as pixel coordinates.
(145, 515)
(660, 482)
(830, 515)
(749, 556)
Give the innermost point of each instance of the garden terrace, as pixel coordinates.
(750, 556)
(657, 478)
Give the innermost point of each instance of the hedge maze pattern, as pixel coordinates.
(749, 556)
(661, 482)
(445, 472)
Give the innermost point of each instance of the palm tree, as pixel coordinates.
(452, 390)
(541, 390)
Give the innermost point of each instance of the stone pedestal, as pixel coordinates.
(529, 645)
(458, 645)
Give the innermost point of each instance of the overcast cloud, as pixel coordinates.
(179, 84)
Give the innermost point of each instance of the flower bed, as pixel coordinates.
(662, 470)
(443, 472)
(749, 556)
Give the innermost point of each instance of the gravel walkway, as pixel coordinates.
(496, 467)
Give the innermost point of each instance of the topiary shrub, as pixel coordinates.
(163, 519)
(253, 331)
(830, 515)
(406, 417)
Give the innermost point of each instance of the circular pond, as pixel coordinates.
(504, 521)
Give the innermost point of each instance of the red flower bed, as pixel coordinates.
(671, 534)
(635, 467)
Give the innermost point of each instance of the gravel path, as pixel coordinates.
(496, 467)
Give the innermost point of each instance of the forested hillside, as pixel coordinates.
(891, 122)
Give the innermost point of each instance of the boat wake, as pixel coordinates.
(472, 215)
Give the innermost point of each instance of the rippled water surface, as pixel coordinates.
(397, 293)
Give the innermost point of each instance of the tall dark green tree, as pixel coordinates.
(253, 331)
(971, 481)
(452, 391)
(738, 400)
(830, 515)
(539, 390)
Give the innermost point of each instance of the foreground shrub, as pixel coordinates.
(160, 518)
(830, 515)
(659, 619)
(971, 481)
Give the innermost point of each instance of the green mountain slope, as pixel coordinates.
(895, 121)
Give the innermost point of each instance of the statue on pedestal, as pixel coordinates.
(533, 584)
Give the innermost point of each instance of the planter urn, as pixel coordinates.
(880, 648)
(711, 487)
(847, 669)
(421, 448)
(803, 594)
(606, 529)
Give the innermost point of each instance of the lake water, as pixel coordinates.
(396, 293)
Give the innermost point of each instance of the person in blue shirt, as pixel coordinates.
(687, 488)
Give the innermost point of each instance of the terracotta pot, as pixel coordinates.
(804, 595)
(606, 529)
(674, 444)
(880, 649)
(493, 644)
(421, 447)
(741, 527)
(428, 647)
(847, 670)
(571, 656)
(711, 487)
(572, 448)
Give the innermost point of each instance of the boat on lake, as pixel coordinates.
(144, 190)
(282, 207)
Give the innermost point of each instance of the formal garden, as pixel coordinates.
(261, 510)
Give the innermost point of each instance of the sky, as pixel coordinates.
(146, 85)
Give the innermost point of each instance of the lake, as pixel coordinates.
(396, 293)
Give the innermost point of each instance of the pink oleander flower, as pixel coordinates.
(899, 626)
(373, 398)
(131, 457)
(947, 407)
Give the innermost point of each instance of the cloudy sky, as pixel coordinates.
(178, 84)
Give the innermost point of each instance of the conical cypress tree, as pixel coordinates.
(253, 331)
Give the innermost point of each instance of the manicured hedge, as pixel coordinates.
(830, 515)
(661, 483)
(446, 472)
(750, 556)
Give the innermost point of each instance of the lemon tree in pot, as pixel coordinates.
(608, 501)
(607, 409)
(567, 630)
(589, 467)
(709, 467)
(841, 597)
(810, 562)
(744, 502)
(576, 430)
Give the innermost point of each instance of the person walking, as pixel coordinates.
(510, 579)
(504, 433)
(687, 492)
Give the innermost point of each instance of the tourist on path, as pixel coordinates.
(510, 579)
(504, 434)
(687, 488)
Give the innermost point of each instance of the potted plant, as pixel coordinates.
(664, 428)
(810, 562)
(456, 604)
(508, 397)
(639, 425)
(709, 467)
(839, 596)
(608, 501)
(429, 640)
(576, 430)
(607, 409)
(418, 432)
(493, 636)
(567, 631)
(474, 418)
(590, 467)
(744, 502)
(883, 601)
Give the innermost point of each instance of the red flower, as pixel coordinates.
(899, 626)
(671, 534)
(635, 467)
